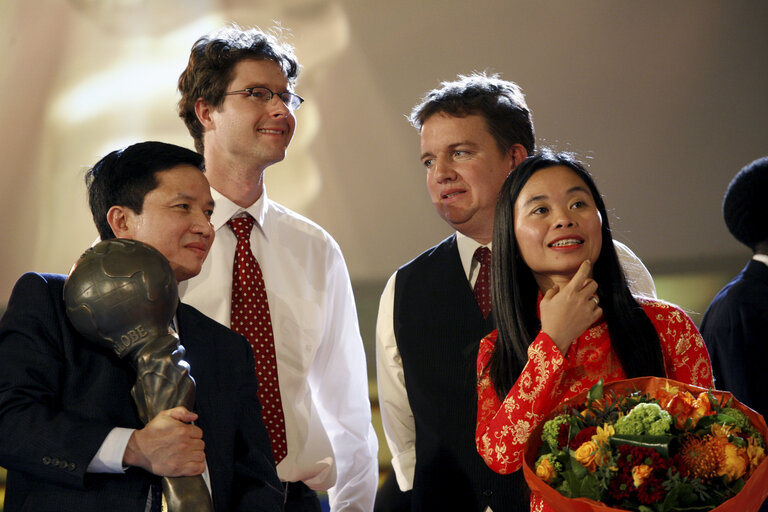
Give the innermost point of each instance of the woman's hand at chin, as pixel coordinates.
(569, 311)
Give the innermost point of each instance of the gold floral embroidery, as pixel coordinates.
(548, 378)
(532, 380)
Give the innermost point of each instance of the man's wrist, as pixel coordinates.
(109, 458)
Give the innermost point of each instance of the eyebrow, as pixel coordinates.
(267, 86)
(451, 147)
(182, 195)
(577, 188)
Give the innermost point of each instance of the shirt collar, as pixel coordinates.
(226, 209)
(467, 247)
(761, 257)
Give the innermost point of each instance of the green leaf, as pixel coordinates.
(596, 391)
(590, 488)
(658, 443)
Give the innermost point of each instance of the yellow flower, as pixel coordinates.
(640, 473)
(735, 462)
(545, 470)
(755, 454)
(720, 430)
(604, 434)
(587, 455)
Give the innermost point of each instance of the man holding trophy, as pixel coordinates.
(72, 435)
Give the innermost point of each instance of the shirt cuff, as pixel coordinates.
(109, 458)
(404, 465)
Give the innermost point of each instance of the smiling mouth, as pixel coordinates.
(452, 194)
(200, 248)
(271, 132)
(566, 242)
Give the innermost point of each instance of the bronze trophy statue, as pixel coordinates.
(122, 294)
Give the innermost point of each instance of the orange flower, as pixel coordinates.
(702, 405)
(755, 454)
(700, 456)
(545, 470)
(712, 456)
(665, 394)
(640, 473)
(719, 430)
(735, 462)
(590, 455)
(683, 406)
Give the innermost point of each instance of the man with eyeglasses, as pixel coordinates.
(276, 277)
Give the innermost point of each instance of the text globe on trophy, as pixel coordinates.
(119, 293)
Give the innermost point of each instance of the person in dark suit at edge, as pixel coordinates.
(70, 434)
(474, 132)
(734, 325)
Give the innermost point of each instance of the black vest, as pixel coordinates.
(438, 327)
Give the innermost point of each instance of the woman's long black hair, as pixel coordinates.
(515, 291)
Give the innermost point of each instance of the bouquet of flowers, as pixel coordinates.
(649, 445)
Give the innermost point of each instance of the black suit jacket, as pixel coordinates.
(61, 395)
(735, 330)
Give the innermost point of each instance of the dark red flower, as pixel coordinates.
(652, 490)
(582, 437)
(622, 485)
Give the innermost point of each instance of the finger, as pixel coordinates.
(589, 288)
(181, 414)
(581, 275)
(193, 469)
(551, 292)
(196, 432)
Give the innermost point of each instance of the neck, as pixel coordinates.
(546, 282)
(241, 185)
(480, 234)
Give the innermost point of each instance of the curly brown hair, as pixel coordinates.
(212, 62)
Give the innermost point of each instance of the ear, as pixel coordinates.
(119, 219)
(517, 153)
(203, 111)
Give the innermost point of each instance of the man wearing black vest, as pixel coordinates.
(474, 132)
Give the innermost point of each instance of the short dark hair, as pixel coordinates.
(745, 209)
(514, 288)
(211, 64)
(125, 176)
(500, 102)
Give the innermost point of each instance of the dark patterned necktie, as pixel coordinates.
(483, 283)
(251, 318)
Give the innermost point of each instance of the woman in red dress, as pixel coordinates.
(565, 316)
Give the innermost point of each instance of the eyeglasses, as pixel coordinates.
(292, 101)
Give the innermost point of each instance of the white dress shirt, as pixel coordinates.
(320, 357)
(396, 414)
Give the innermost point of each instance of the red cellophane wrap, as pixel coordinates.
(748, 499)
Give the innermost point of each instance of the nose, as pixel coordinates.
(202, 225)
(278, 108)
(563, 219)
(442, 171)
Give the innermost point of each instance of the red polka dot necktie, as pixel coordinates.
(483, 283)
(251, 318)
